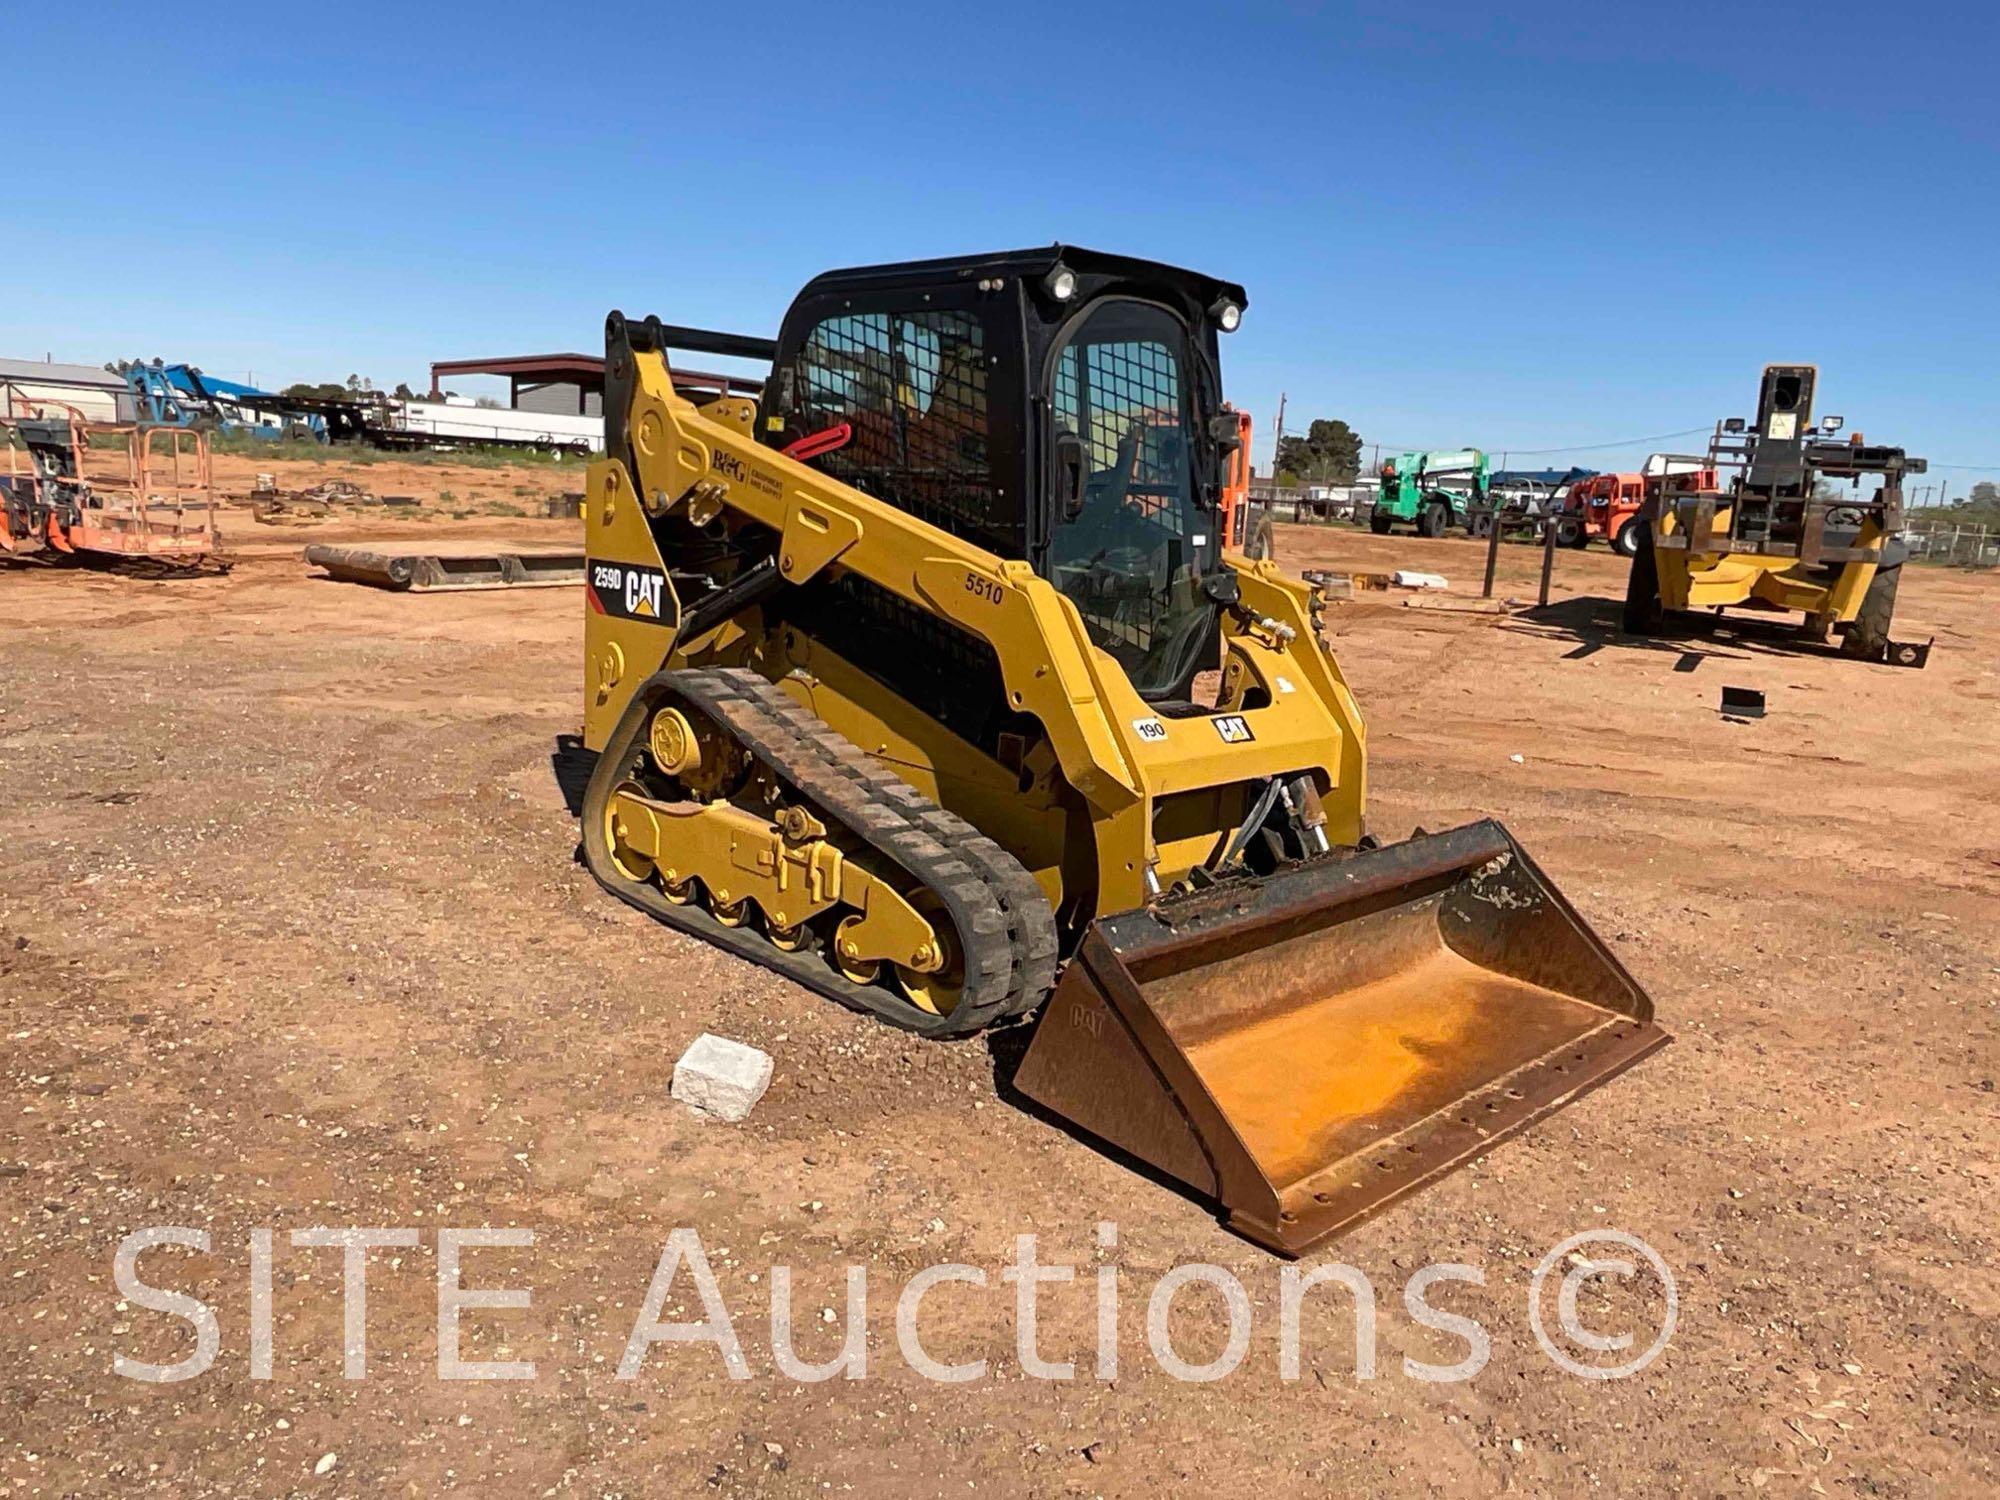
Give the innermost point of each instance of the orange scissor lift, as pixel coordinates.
(110, 493)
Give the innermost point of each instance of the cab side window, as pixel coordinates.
(913, 387)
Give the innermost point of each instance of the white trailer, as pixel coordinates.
(461, 423)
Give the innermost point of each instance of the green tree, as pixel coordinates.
(326, 389)
(1329, 453)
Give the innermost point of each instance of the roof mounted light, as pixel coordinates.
(1060, 283)
(1228, 315)
(1831, 425)
(1733, 424)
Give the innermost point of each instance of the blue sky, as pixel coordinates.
(1563, 225)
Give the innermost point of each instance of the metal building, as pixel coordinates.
(97, 393)
(569, 384)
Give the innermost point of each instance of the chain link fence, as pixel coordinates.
(1953, 542)
(1313, 502)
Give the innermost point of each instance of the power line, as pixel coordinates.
(1659, 437)
(1535, 453)
(1511, 450)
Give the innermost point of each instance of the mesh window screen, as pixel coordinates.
(913, 385)
(1129, 550)
(1124, 400)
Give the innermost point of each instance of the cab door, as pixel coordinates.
(1128, 542)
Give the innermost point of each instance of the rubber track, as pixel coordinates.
(1004, 927)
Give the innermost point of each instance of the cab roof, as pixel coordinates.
(1028, 265)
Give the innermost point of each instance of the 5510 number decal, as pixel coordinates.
(980, 585)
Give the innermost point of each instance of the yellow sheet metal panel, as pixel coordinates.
(630, 609)
(1692, 580)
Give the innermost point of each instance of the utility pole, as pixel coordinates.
(1277, 442)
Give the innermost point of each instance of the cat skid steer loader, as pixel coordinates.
(892, 676)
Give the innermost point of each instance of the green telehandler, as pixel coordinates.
(1431, 491)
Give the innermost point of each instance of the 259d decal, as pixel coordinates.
(628, 592)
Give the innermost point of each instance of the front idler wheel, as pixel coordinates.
(935, 991)
(628, 861)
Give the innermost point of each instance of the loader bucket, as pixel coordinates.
(439, 573)
(1306, 1048)
(382, 570)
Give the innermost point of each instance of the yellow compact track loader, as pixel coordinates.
(1762, 523)
(922, 678)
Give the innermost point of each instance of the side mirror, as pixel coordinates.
(1069, 475)
(1226, 432)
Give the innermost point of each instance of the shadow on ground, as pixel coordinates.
(571, 765)
(1593, 623)
(1007, 1046)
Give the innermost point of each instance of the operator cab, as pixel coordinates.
(1057, 405)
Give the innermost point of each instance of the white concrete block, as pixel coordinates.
(718, 1077)
(1410, 578)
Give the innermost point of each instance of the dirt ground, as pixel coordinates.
(441, 489)
(292, 935)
